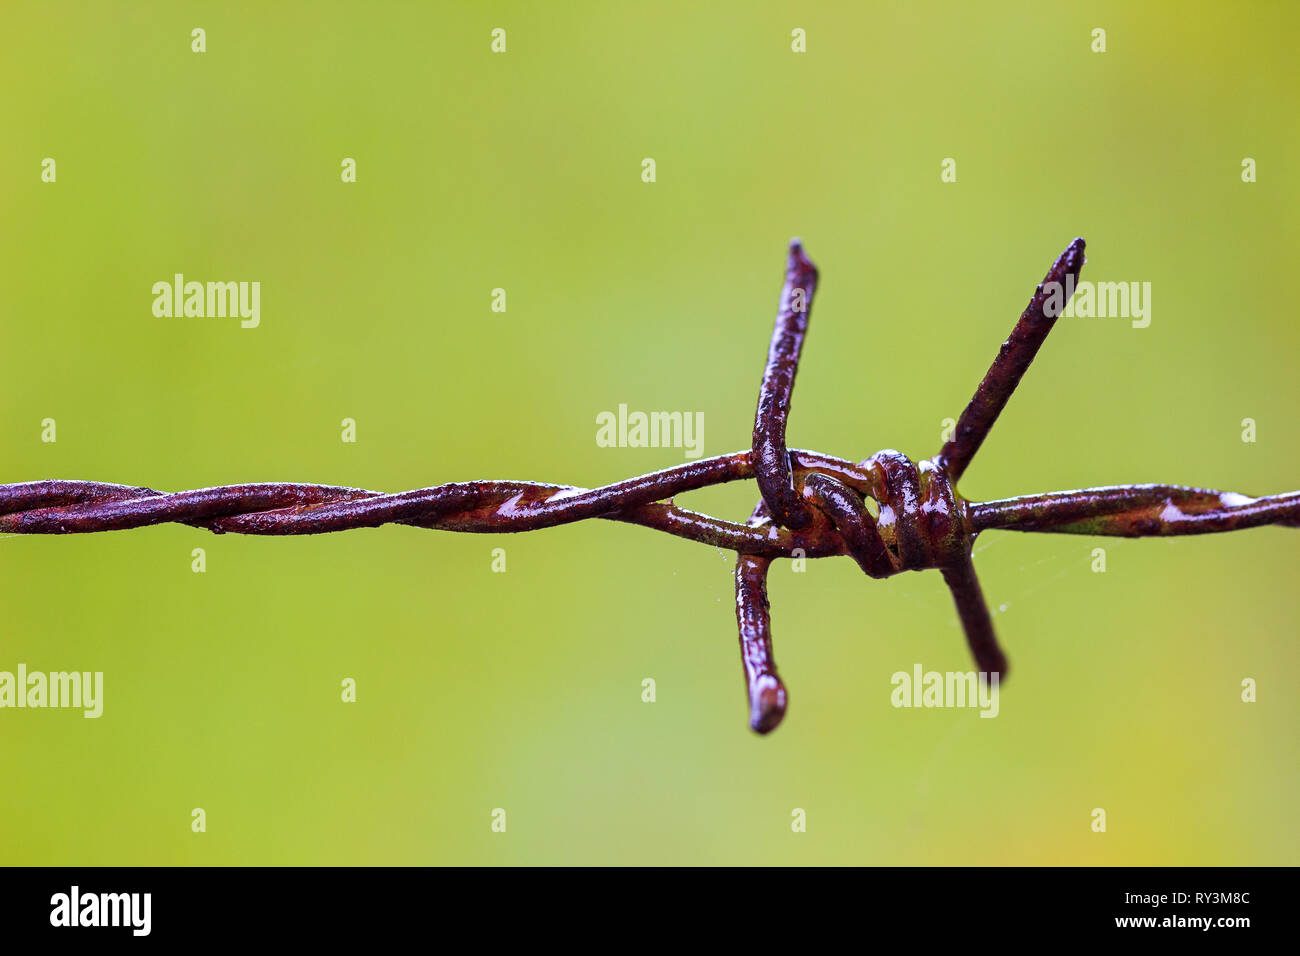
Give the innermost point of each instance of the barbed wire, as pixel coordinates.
(812, 505)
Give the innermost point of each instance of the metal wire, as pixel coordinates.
(813, 505)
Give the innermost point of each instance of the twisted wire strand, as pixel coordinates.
(1137, 511)
(888, 513)
(497, 507)
(278, 508)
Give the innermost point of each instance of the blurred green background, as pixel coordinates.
(522, 171)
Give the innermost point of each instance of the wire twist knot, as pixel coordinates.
(922, 523)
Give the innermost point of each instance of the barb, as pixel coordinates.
(1013, 360)
(771, 460)
(812, 504)
(767, 697)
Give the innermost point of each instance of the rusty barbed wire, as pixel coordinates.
(812, 505)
